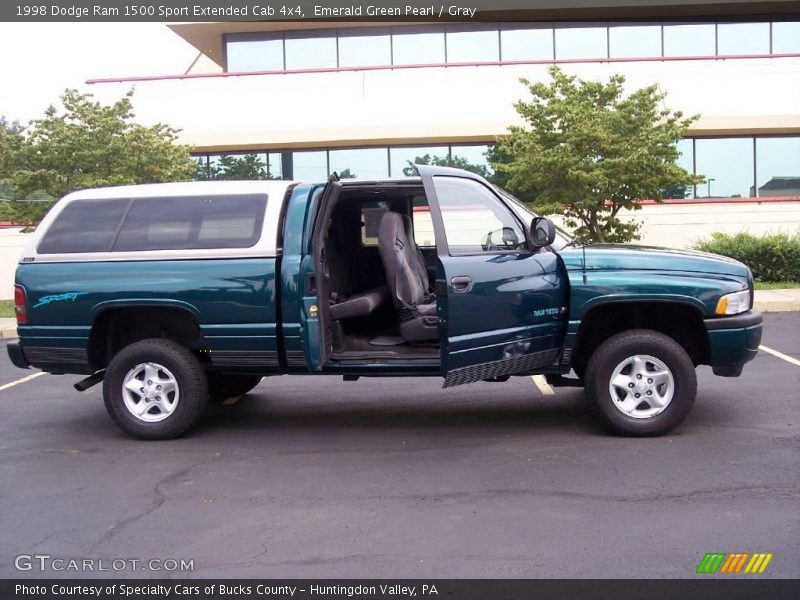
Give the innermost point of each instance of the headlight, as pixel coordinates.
(733, 304)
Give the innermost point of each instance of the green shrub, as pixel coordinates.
(773, 257)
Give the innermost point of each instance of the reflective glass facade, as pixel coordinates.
(733, 167)
(443, 44)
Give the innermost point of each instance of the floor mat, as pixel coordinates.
(386, 340)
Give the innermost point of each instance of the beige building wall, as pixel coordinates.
(12, 242)
(681, 225)
(357, 108)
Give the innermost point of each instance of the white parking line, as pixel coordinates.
(780, 355)
(23, 380)
(540, 382)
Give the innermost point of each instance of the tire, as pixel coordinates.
(664, 400)
(177, 393)
(222, 386)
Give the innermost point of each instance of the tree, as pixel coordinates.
(232, 166)
(347, 174)
(459, 162)
(587, 151)
(11, 141)
(87, 144)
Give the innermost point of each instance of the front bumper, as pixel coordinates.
(733, 341)
(17, 356)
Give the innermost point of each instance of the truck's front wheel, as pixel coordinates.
(640, 383)
(155, 389)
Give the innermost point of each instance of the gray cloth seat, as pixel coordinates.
(359, 305)
(407, 279)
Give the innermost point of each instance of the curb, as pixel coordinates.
(777, 306)
(8, 333)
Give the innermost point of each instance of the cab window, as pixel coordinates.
(475, 220)
(423, 224)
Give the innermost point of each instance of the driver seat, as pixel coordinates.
(407, 279)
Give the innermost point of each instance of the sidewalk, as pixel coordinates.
(766, 301)
(777, 300)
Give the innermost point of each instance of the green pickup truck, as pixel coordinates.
(174, 295)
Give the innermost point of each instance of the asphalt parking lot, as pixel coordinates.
(317, 477)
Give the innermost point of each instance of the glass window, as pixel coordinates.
(192, 223)
(743, 38)
(84, 226)
(727, 165)
(472, 44)
(582, 42)
(310, 51)
(274, 165)
(417, 46)
(526, 44)
(310, 166)
(201, 170)
(402, 160)
(778, 166)
(358, 48)
(685, 160)
(785, 38)
(636, 40)
(422, 222)
(471, 158)
(248, 166)
(689, 40)
(474, 218)
(371, 214)
(247, 52)
(363, 163)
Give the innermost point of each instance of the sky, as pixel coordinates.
(38, 61)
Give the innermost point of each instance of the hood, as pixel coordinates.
(616, 257)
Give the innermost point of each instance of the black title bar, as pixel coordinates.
(381, 10)
(401, 589)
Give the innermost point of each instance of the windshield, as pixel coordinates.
(523, 212)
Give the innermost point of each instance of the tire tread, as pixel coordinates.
(686, 383)
(194, 389)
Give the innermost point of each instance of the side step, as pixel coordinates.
(92, 380)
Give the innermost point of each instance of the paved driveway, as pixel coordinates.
(316, 477)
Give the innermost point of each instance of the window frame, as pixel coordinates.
(440, 230)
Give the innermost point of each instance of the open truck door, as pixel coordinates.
(502, 300)
(315, 317)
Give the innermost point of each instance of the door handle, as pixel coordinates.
(461, 283)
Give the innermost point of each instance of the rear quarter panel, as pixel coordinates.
(232, 299)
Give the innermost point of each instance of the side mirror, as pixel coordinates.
(543, 232)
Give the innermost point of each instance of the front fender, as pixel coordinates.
(700, 290)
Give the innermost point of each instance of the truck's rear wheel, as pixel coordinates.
(640, 383)
(223, 386)
(155, 389)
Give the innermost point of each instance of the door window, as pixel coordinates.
(474, 218)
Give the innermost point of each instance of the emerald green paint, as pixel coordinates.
(264, 304)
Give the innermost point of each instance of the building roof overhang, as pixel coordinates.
(207, 37)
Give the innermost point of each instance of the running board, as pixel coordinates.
(92, 380)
